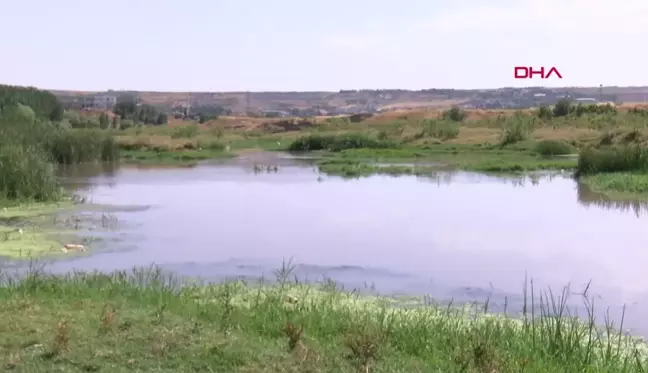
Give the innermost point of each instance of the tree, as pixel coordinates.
(57, 113)
(562, 108)
(126, 106)
(455, 114)
(115, 122)
(104, 121)
(44, 104)
(162, 119)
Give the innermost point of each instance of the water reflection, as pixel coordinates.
(589, 198)
(81, 177)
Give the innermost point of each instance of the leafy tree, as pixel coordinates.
(455, 114)
(562, 108)
(57, 113)
(126, 106)
(44, 104)
(162, 119)
(104, 121)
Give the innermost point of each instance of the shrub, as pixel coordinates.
(442, 130)
(553, 147)
(562, 108)
(185, 131)
(25, 173)
(544, 112)
(514, 132)
(212, 145)
(455, 114)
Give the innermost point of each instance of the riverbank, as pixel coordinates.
(94, 322)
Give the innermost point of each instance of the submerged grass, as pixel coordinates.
(143, 321)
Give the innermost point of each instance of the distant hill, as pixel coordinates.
(363, 100)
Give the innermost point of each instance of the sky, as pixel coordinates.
(317, 45)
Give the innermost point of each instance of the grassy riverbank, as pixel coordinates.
(112, 323)
(620, 172)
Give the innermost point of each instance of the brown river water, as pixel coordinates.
(455, 236)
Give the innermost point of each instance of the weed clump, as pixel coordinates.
(514, 133)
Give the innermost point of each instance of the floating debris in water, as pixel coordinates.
(73, 247)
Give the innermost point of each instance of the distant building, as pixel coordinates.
(275, 113)
(100, 102)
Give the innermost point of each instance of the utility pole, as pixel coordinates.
(188, 103)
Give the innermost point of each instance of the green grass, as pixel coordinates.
(361, 162)
(141, 322)
(619, 185)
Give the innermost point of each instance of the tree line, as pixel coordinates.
(128, 108)
(44, 104)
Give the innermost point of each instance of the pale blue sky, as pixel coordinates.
(284, 45)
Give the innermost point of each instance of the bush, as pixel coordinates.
(544, 112)
(26, 174)
(514, 132)
(442, 130)
(455, 114)
(553, 147)
(562, 108)
(211, 145)
(185, 131)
